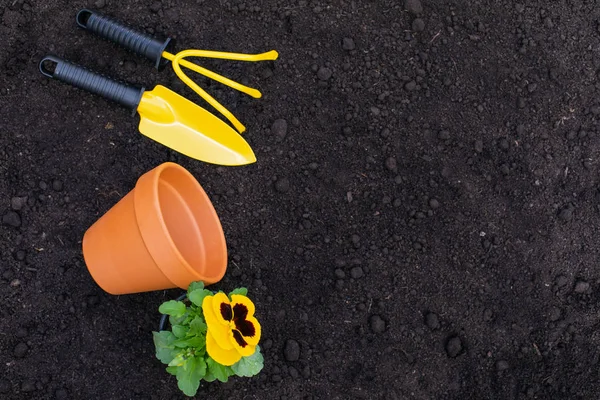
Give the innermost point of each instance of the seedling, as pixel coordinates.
(212, 336)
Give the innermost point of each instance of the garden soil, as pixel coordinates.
(422, 221)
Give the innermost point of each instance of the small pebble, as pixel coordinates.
(20, 350)
(279, 128)
(348, 44)
(129, 65)
(61, 394)
(291, 351)
(17, 203)
(454, 347)
(432, 321)
(267, 73)
(155, 7)
(488, 315)
(413, 6)
(566, 214)
(444, 135)
(581, 287)
(391, 164)
(478, 146)
(306, 372)
(339, 273)
(324, 73)
(410, 86)
(267, 344)
(356, 272)
(57, 185)
(293, 372)
(282, 185)
(434, 204)
(377, 324)
(11, 218)
(418, 25)
(561, 281)
(502, 365)
(554, 314)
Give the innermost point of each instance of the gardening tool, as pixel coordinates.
(165, 116)
(165, 233)
(156, 50)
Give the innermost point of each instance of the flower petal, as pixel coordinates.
(251, 339)
(220, 355)
(243, 300)
(240, 344)
(222, 308)
(220, 331)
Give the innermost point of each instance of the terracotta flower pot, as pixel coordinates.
(163, 234)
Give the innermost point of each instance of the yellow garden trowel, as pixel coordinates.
(165, 116)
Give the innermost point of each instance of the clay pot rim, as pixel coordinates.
(149, 186)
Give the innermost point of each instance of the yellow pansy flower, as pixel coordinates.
(232, 332)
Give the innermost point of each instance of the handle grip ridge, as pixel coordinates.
(83, 78)
(138, 42)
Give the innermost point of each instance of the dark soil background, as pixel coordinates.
(422, 221)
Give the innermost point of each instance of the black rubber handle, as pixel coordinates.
(122, 93)
(126, 36)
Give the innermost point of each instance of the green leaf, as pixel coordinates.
(242, 290)
(195, 286)
(197, 327)
(178, 361)
(179, 331)
(189, 376)
(163, 342)
(209, 377)
(250, 365)
(196, 342)
(173, 308)
(217, 370)
(175, 320)
(197, 296)
(172, 370)
(186, 321)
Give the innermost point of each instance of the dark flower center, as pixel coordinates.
(238, 314)
(239, 338)
(240, 311)
(246, 328)
(226, 311)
